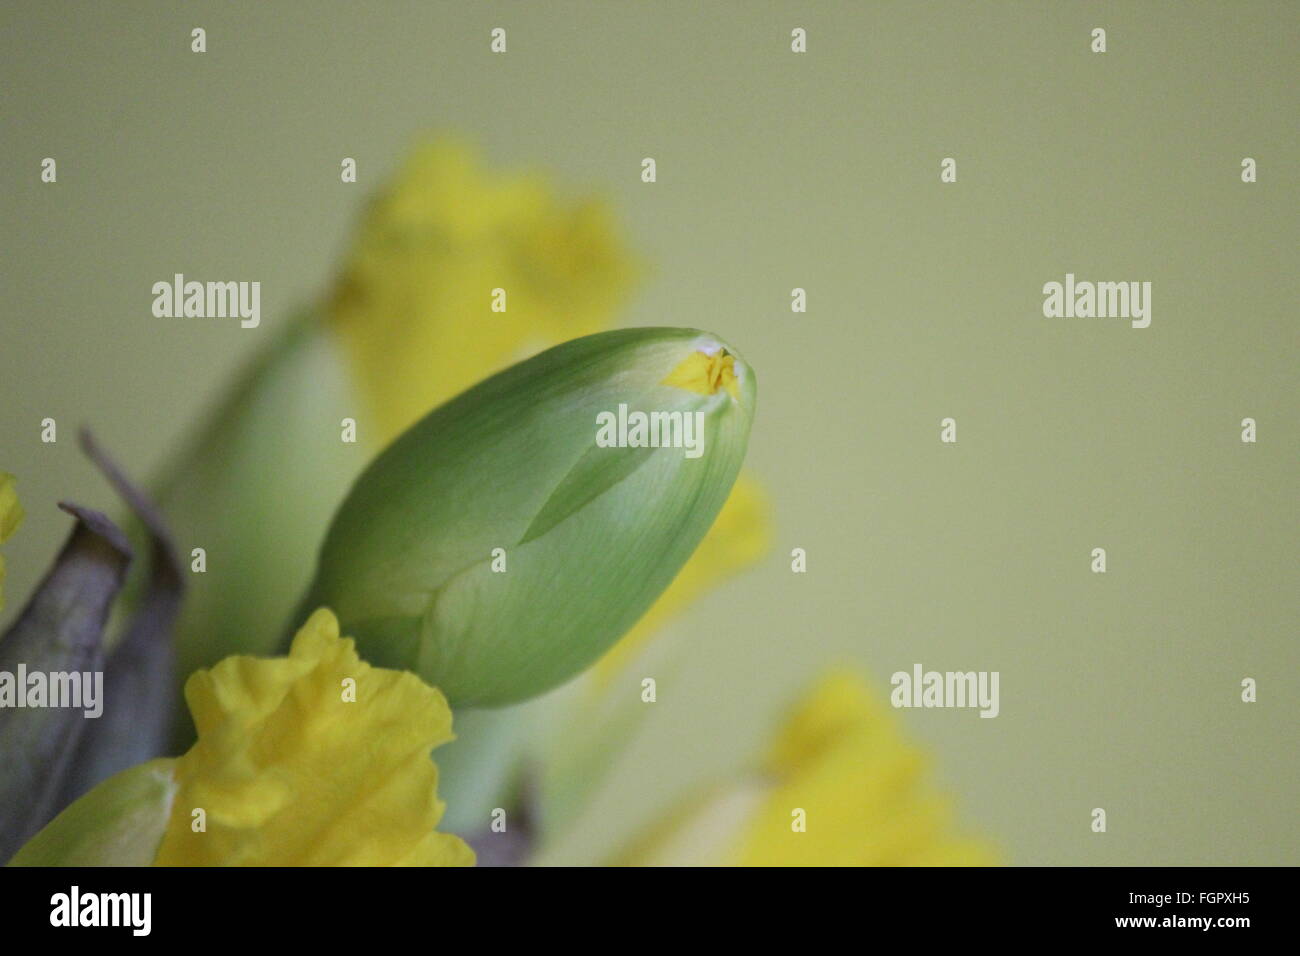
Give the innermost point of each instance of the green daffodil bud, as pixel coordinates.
(506, 540)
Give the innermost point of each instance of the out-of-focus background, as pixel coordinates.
(777, 171)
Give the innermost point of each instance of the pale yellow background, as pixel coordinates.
(776, 171)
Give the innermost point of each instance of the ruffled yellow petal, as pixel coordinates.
(739, 537)
(414, 307)
(862, 789)
(11, 515)
(289, 771)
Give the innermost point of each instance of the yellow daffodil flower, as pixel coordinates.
(312, 759)
(838, 787)
(416, 305)
(11, 514)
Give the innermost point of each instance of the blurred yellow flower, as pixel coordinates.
(838, 787)
(415, 304)
(840, 759)
(11, 514)
(315, 759)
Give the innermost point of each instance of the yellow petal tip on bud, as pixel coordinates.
(705, 371)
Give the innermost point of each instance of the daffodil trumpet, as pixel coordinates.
(311, 759)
